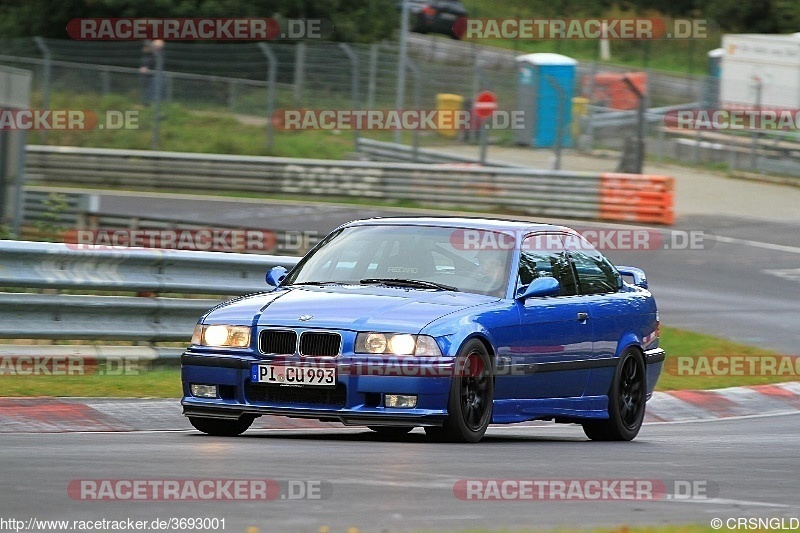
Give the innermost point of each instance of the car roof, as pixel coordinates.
(493, 224)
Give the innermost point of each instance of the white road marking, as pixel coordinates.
(790, 274)
(757, 244)
(725, 501)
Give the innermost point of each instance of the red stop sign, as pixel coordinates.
(485, 104)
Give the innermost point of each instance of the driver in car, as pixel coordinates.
(492, 271)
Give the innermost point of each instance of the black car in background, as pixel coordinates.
(436, 16)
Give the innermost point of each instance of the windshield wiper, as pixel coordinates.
(416, 283)
(321, 283)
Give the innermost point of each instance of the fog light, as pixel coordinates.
(401, 401)
(204, 391)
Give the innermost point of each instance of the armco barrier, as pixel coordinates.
(403, 153)
(531, 191)
(78, 208)
(61, 266)
(29, 265)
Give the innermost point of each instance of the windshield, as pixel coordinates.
(368, 254)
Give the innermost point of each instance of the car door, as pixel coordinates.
(555, 332)
(613, 312)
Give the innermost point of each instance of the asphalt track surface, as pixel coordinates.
(743, 284)
(749, 468)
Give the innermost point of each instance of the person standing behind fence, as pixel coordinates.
(152, 63)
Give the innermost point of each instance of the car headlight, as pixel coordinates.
(221, 336)
(397, 344)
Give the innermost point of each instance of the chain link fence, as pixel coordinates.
(250, 81)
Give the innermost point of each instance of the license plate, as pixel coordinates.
(448, 16)
(296, 375)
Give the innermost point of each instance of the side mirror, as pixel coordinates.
(638, 275)
(540, 287)
(276, 275)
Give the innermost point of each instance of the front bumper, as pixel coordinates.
(357, 400)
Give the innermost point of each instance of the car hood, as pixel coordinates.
(353, 307)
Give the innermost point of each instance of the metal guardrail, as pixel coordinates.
(73, 317)
(50, 213)
(394, 152)
(133, 318)
(63, 266)
(40, 207)
(605, 117)
(145, 356)
(532, 191)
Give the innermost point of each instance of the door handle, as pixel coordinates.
(583, 317)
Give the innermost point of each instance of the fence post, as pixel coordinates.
(373, 74)
(42, 45)
(400, 95)
(158, 53)
(478, 83)
(754, 134)
(637, 163)
(698, 139)
(353, 82)
(299, 72)
(417, 103)
(272, 69)
(105, 82)
(232, 86)
(19, 186)
(588, 136)
(477, 75)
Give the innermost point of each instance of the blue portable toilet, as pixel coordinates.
(545, 82)
(711, 93)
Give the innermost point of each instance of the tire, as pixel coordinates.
(220, 427)
(626, 402)
(471, 397)
(391, 431)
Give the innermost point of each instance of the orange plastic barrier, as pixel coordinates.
(637, 198)
(611, 91)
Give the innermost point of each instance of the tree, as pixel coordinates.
(353, 21)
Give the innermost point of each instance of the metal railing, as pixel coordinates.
(57, 215)
(395, 152)
(147, 317)
(538, 192)
(253, 80)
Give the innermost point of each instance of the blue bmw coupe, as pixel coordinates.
(449, 324)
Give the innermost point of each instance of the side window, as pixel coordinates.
(596, 275)
(544, 256)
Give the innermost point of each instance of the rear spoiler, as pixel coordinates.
(638, 275)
